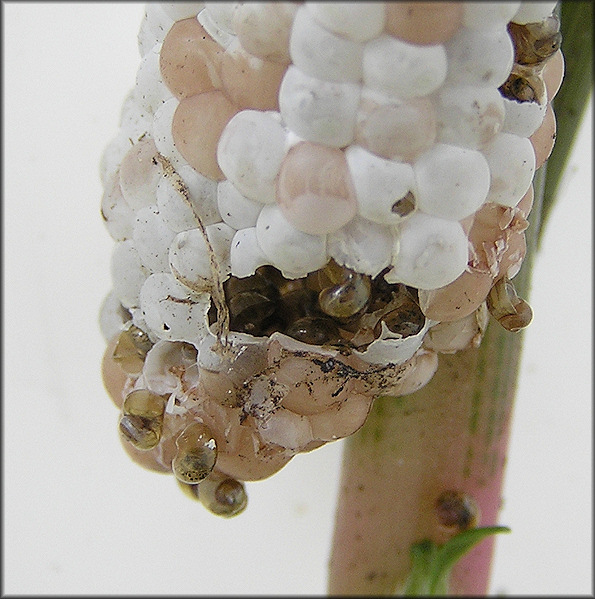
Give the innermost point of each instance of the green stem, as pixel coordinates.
(576, 23)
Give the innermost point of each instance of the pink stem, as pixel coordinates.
(450, 435)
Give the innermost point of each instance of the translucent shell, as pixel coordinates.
(131, 349)
(263, 29)
(351, 20)
(222, 495)
(241, 452)
(407, 320)
(347, 298)
(396, 131)
(319, 111)
(314, 330)
(197, 125)
(190, 59)
(511, 311)
(314, 179)
(141, 421)
(196, 455)
(403, 70)
(250, 153)
(322, 54)
(536, 42)
(250, 312)
(451, 182)
(423, 22)
(113, 377)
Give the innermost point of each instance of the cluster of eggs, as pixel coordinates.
(310, 201)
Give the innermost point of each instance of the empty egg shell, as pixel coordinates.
(379, 184)
(172, 311)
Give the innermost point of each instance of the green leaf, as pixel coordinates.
(452, 551)
(431, 564)
(576, 25)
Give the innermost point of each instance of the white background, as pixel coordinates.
(79, 516)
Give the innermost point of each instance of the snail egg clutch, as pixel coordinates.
(309, 202)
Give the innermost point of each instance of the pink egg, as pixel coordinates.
(314, 189)
(190, 59)
(544, 138)
(553, 73)
(423, 22)
(197, 126)
(251, 82)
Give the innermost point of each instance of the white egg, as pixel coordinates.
(432, 252)
(403, 70)
(451, 182)
(483, 58)
(236, 209)
(250, 151)
(152, 238)
(379, 184)
(362, 245)
(319, 111)
(512, 165)
(128, 273)
(322, 54)
(292, 251)
(356, 21)
(246, 254)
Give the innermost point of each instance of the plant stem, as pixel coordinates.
(576, 19)
(451, 434)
